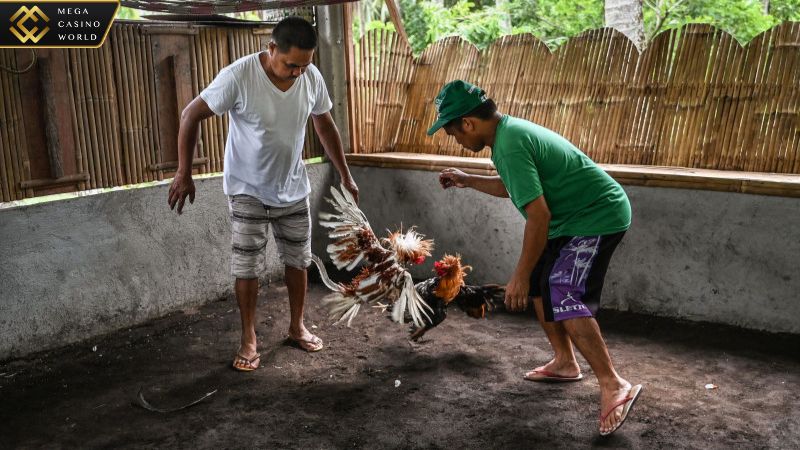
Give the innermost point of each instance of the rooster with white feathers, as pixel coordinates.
(384, 276)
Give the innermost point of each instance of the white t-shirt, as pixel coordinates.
(266, 131)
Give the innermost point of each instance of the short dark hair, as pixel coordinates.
(484, 111)
(294, 31)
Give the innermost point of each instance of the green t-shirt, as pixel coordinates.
(583, 199)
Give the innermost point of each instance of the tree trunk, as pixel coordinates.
(766, 6)
(626, 16)
(505, 21)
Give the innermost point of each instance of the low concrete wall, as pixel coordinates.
(75, 268)
(700, 255)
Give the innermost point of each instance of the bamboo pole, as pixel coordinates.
(78, 124)
(133, 92)
(95, 173)
(210, 125)
(202, 148)
(385, 68)
(756, 57)
(6, 167)
(6, 136)
(124, 111)
(146, 107)
(405, 76)
(733, 89)
(761, 122)
(794, 92)
(352, 83)
(113, 130)
(786, 49)
(105, 145)
(21, 164)
(767, 162)
(90, 69)
(220, 61)
(210, 59)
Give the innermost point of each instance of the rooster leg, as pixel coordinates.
(417, 333)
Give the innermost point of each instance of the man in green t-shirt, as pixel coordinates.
(575, 214)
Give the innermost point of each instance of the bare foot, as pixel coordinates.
(566, 370)
(611, 415)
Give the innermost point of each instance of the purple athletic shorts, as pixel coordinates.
(570, 273)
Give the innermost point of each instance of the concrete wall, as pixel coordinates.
(80, 267)
(701, 255)
(76, 268)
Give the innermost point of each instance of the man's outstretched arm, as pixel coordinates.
(489, 185)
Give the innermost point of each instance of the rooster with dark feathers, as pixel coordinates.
(384, 275)
(447, 287)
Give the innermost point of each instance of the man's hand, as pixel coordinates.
(517, 293)
(351, 186)
(452, 177)
(181, 187)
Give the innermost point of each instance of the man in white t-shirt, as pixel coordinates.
(268, 97)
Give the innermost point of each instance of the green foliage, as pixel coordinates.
(427, 22)
(128, 13)
(785, 10)
(744, 19)
(555, 21)
(378, 25)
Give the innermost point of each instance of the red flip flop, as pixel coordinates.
(550, 377)
(628, 401)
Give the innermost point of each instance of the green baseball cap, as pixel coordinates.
(456, 99)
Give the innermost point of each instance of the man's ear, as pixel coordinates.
(272, 46)
(468, 124)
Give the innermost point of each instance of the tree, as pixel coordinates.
(555, 21)
(626, 16)
(744, 19)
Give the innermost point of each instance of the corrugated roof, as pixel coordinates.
(221, 6)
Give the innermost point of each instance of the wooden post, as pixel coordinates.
(397, 20)
(50, 126)
(351, 79)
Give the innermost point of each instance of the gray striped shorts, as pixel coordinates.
(291, 228)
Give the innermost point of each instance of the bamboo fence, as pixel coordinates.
(122, 109)
(695, 98)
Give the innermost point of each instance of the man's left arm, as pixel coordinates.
(533, 244)
(332, 143)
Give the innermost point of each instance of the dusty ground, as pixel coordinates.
(459, 388)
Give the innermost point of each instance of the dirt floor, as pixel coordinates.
(461, 387)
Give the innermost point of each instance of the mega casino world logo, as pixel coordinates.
(55, 23)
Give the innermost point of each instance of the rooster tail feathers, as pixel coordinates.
(495, 296)
(323, 273)
(342, 307)
(410, 300)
